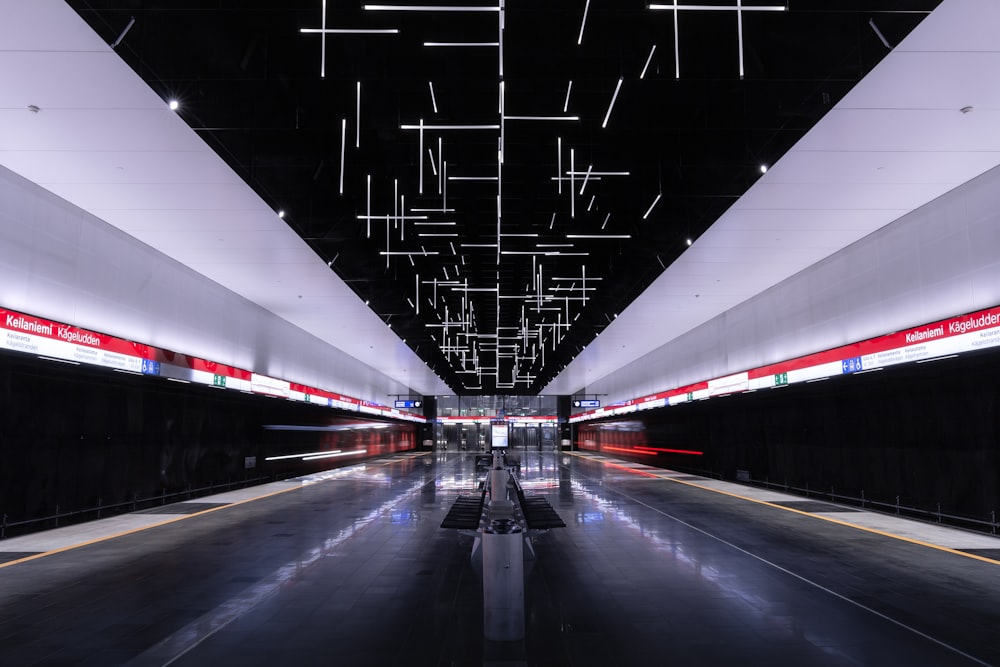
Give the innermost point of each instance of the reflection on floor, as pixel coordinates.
(351, 568)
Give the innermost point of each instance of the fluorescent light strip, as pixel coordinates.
(492, 44)
(541, 118)
(721, 8)
(472, 178)
(430, 84)
(434, 235)
(343, 138)
(350, 31)
(594, 174)
(407, 253)
(650, 209)
(612, 105)
(568, 89)
(479, 245)
(357, 126)
(435, 223)
(449, 127)
(431, 8)
(648, 59)
(583, 23)
(586, 178)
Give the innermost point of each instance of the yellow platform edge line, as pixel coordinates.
(839, 522)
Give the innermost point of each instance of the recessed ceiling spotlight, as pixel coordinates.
(281, 214)
(174, 105)
(763, 168)
(689, 241)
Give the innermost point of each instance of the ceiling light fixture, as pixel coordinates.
(568, 89)
(650, 209)
(583, 23)
(612, 105)
(648, 59)
(174, 105)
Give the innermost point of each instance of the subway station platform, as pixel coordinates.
(351, 567)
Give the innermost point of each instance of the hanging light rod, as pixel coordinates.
(432, 8)
(721, 8)
(350, 31)
(449, 127)
(492, 44)
(541, 118)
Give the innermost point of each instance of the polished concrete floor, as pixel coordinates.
(352, 568)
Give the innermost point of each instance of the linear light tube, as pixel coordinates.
(541, 118)
(583, 23)
(449, 127)
(650, 209)
(568, 89)
(430, 84)
(598, 236)
(492, 44)
(431, 8)
(357, 126)
(612, 105)
(350, 31)
(343, 136)
(721, 8)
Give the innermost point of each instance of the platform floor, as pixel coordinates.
(351, 568)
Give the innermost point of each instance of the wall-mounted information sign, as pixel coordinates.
(587, 403)
(965, 333)
(52, 340)
(408, 404)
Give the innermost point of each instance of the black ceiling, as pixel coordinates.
(691, 133)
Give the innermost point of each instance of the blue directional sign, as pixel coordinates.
(587, 403)
(852, 365)
(150, 367)
(408, 404)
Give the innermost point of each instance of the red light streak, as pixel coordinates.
(672, 451)
(629, 450)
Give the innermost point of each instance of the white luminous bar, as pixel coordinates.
(648, 60)
(598, 236)
(568, 89)
(572, 183)
(479, 245)
(350, 31)
(431, 8)
(432, 210)
(357, 125)
(719, 8)
(299, 456)
(606, 218)
(553, 220)
(612, 105)
(541, 118)
(343, 138)
(368, 217)
(434, 223)
(650, 209)
(472, 178)
(420, 169)
(434, 234)
(554, 245)
(558, 167)
(599, 173)
(583, 23)
(418, 253)
(430, 84)
(586, 177)
(489, 44)
(449, 127)
(739, 33)
(395, 216)
(430, 152)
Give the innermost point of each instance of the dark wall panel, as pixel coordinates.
(928, 433)
(76, 438)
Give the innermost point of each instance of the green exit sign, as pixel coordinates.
(219, 380)
(690, 396)
(780, 379)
